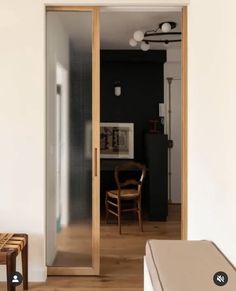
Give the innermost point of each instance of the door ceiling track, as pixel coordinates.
(136, 8)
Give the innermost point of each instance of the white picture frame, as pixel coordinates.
(116, 140)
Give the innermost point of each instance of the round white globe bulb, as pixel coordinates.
(166, 27)
(145, 46)
(132, 42)
(138, 35)
(166, 43)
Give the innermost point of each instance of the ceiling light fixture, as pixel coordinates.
(163, 29)
(139, 35)
(145, 46)
(133, 42)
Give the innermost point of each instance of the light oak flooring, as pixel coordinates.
(74, 246)
(121, 257)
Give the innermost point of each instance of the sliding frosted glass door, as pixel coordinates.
(73, 168)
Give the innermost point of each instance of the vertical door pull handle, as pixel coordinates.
(96, 162)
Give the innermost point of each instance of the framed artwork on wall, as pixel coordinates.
(117, 140)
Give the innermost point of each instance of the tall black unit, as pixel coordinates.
(157, 163)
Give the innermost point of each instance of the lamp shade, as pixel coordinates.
(117, 89)
(132, 42)
(166, 27)
(138, 35)
(145, 46)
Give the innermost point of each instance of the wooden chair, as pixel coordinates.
(10, 246)
(129, 189)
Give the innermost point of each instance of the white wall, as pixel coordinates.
(22, 127)
(212, 119)
(172, 69)
(211, 149)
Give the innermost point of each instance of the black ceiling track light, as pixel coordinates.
(155, 35)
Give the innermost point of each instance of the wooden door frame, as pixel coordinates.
(184, 127)
(184, 121)
(95, 268)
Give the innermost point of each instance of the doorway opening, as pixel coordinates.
(141, 92)
(150, 101)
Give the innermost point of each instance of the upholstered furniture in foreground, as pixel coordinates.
(185, 266)
(10, 246)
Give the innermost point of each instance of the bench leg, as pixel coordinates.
(24, 255)
(11, 268)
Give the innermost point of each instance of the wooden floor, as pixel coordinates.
(72, 251)
(121, 257)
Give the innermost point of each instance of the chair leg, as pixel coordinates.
(119, 215)
(106, 206)
(24, 255)
(140, 215)
(11, 268)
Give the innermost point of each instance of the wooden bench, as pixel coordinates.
(10, 246)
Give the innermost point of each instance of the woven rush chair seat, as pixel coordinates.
(124, 193)
(11, 245)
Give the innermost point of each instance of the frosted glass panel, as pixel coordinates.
(69, 139)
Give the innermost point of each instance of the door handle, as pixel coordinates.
(96, 162)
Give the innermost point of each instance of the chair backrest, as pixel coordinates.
(132, 167)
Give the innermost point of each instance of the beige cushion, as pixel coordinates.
(187, 266)
(124, 194)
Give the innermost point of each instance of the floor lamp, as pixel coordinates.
(170, 141)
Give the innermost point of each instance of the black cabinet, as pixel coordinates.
(156, 148)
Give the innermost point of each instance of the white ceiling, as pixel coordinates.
(116, 27)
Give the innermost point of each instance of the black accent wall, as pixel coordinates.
(142, 84)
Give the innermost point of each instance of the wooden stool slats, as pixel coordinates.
(16, 242)
(18, 238)
(4, 238)
(10, 246)
(14, 247)
(5, 235)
